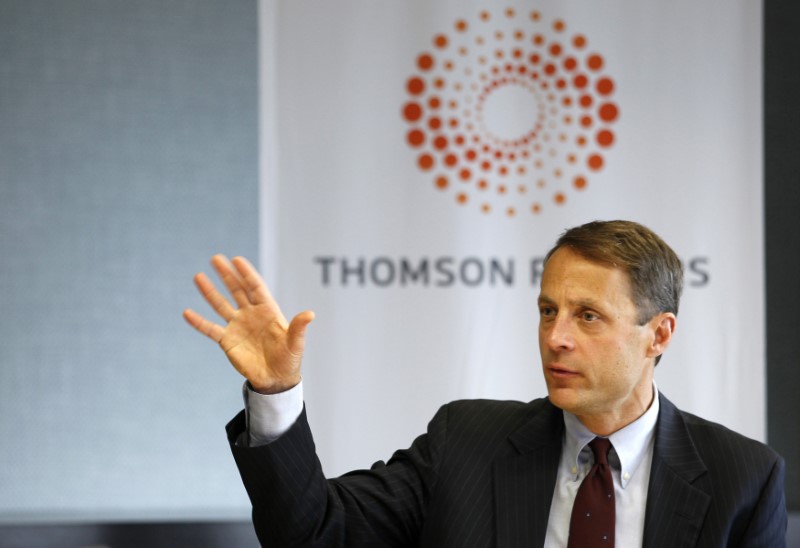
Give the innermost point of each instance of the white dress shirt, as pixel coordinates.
(630, 459)
(269, 416)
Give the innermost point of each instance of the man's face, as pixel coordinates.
(598, 363)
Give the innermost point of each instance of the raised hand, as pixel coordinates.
(257, 339)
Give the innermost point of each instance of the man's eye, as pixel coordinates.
(547, 311)
(590, 316)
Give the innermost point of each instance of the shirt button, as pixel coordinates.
(626, 476)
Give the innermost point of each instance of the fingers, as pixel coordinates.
(231, 279)
(296, 334)
(213, 297)
(256, 289)
(207, 328)
(242, 281)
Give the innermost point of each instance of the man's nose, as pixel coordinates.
(559, 336)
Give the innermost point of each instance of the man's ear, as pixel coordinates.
(662, 326)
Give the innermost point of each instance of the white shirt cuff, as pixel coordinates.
(269, 416)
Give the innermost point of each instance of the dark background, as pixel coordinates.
(782, 213)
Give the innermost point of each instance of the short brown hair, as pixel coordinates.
(654, 270)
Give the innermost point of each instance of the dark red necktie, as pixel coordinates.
(593, 514)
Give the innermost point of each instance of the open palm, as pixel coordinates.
(257, 339)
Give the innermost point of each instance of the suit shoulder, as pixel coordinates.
(483, 407)
(499, 416)
(714, 439)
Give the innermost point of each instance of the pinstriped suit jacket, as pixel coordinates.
(484, 474)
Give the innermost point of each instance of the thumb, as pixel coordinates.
(296, 334)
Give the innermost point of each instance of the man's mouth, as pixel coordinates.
(561, 371)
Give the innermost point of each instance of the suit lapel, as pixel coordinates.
(524, 481)
(676, 508)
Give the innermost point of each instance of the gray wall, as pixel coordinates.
(128, 156)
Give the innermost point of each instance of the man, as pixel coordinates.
(491, 473)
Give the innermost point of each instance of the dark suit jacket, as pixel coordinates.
(484, 474)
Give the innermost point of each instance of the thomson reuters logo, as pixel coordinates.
(510, 112)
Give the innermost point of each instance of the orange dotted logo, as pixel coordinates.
(510, 112)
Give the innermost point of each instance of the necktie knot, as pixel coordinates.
(600, 448)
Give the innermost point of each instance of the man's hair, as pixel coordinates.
(653, 268)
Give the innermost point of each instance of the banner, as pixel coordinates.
(419, 159)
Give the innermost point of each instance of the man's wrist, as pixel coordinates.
(275, 387)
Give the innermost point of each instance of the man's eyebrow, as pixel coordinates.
(588, 303)
(578, 303)
(544, 299)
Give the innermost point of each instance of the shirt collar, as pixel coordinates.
(630, 443)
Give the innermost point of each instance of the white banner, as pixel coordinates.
(420, 157)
